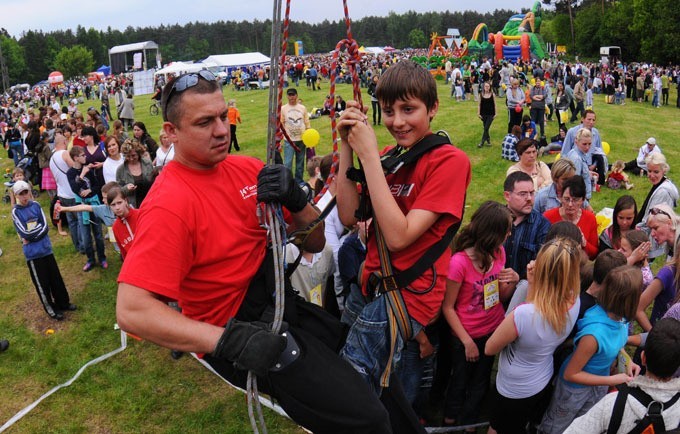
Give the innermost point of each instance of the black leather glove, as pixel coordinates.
(276, 183)
(251, 346)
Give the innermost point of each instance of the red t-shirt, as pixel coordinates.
(124, 233)
(436, 183)
(198, 238)
(588, 225)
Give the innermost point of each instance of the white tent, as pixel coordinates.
(374, 50)
(236, 60)
(181, 67)
(119, 55)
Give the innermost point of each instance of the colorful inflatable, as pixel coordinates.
(520, 38)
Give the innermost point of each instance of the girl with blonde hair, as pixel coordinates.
(529, 335)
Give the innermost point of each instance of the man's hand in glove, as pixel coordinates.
(250, 346)
(275, 183)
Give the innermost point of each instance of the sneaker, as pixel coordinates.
(480, 145)
(88, 266)
(104, 264)
(70, 307)
(4, 344)
(176, 355)
(58, 316)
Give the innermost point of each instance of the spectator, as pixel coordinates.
(509, 143)
(639, 166)
(529, 164)
(136, 174)
(145, 139)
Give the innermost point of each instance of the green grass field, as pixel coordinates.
(142, 389)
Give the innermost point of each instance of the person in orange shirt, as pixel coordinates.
(234, 116)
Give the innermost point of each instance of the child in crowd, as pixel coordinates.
(623, 216)
(81, 179)
(406, 225)
(234, 116)
(661, 356)
(617, 177)
(602, 332)
(635, 246)
(32, 227)
(529, 335)
(477, 284)
(589, 97)
(18, 174)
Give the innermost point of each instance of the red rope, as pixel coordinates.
(353, 58)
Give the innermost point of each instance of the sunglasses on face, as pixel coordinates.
(182, 83)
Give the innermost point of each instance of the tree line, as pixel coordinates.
(645, 29)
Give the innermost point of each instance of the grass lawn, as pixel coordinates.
(142, 389)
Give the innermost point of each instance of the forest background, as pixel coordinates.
(646, 30)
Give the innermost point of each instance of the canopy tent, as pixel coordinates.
(106, 70)
(231, 61)
(181, 67)
(374, 50)
(119, 56)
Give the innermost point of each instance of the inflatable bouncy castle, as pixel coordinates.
(519, 39)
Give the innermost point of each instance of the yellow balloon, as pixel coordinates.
(311, 138)
(606, 148)
(504, 86)
(557, 156)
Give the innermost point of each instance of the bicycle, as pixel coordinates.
(155, 108)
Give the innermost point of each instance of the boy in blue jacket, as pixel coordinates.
(31, 225)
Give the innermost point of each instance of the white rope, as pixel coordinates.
(27, 409)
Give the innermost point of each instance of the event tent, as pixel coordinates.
(118, 55)
(230, 61)
(181, 67)
(104, 69)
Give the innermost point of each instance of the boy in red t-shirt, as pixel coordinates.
(413, 208)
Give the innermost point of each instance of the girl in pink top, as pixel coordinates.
(477, 284)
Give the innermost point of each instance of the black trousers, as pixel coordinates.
(48, 284)
(598, 161)
(514, 118)
(319, 390)
(234, 140)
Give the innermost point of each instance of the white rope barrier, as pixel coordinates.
(27, 409)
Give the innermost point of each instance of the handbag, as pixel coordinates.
(10, 153)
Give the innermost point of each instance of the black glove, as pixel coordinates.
(251, 346)
(275, 183)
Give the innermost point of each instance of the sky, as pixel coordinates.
(23, 15)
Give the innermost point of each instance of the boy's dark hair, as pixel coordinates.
(514, 178)
(112, 190)
(526, 118)
(576, 186)
(76, 151)
(406, 80)
(606, 261)
(621, 290)
(564, 229)
(662, 349)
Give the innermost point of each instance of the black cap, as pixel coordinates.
(291, 91)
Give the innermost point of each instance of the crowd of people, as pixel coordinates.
(385, 324)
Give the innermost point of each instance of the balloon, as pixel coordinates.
(557, 156)
(518, 108)
(311, 138)
(564, 117)
(503, 86)
(606, 148)
(532, 82)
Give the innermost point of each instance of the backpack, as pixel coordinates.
(653, 420)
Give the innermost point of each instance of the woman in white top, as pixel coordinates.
(166, 152)
(113, 160)
(529, 335)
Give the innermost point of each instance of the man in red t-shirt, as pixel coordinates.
(205, 248)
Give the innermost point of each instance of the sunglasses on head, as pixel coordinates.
(182, 83)
(656, 211)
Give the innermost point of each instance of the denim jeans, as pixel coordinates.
(73, 226)
(354, 304)
(87, 232)
(289, 152)
(367, 347)
(18, 150)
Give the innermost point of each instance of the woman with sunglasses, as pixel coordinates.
(571, 210)
(136, 174)
(663, 192)
(663, 223)
(527, 150)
